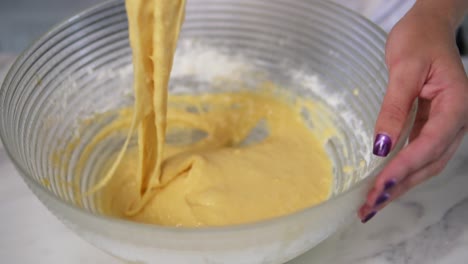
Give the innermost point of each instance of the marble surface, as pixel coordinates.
(428, 225)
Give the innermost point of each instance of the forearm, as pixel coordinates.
(452, 11)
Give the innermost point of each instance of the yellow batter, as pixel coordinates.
(216, 180)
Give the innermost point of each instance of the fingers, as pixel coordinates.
(439, 128)
(406, 80)
(424, 157)
(422, 116)
(395, 191)
(434, 168)
(435, 137)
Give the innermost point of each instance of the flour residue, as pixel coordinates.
(338, 103)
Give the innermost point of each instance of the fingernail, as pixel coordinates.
(382, 145)
(382, 199)
(369, 217)
(389, 184)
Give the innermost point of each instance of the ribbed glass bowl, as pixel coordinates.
(83, 67)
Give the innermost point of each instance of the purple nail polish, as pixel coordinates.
(369, 217)
(382, 199)
(382, 145)
(389, 184)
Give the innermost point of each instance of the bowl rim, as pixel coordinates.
(186, 230)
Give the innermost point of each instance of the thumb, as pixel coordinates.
(406, 80)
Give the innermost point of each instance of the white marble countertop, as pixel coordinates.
(428, 225)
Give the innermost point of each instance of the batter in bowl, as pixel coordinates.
(218, 179)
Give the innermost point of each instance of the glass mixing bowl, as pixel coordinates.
(83, 67)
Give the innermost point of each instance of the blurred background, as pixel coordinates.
(23, 21)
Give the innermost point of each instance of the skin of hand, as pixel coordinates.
(424, 63)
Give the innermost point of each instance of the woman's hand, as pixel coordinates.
(424, 63)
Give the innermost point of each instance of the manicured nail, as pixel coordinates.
(382, 199)
(382, 145)
(369, 217)
(389, 185)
